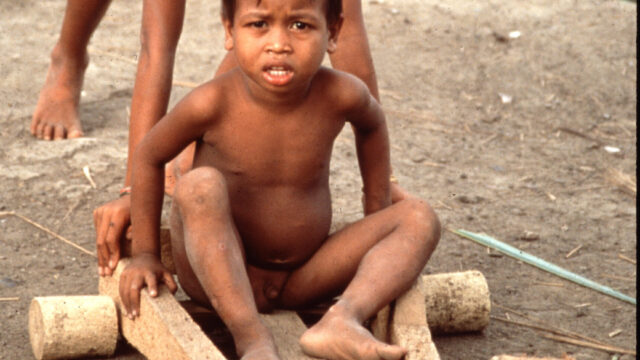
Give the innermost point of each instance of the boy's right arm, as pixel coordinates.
(187, 122)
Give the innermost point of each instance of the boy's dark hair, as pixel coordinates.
(333, 10)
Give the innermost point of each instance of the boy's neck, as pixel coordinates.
(274, 99)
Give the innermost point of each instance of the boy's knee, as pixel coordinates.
(419, 215)
(201, 186)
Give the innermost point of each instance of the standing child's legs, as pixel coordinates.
(210, 262)
(353, 54)
(376, 259)
(56, 114)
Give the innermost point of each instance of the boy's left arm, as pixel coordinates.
(372, 145)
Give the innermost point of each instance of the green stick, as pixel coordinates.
(541, 264)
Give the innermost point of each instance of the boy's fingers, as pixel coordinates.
(134, 295)
(168, 280)
(124, 292)
(152, 284)
(113, 244)
(103, 251)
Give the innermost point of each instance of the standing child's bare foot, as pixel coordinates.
(56, 114)
(340, 336)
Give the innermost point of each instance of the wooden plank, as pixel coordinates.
(164, 330)
(286, 328)
(409, 326)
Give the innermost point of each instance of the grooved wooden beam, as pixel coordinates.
(409, 326)
(164, 330)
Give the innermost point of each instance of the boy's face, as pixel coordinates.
(280, 44)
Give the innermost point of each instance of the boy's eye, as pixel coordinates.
(299, 25)
(258, 24)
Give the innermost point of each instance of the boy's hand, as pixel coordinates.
(144, 269)
(111, 220)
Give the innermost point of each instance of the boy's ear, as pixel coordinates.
(228, 33)
(334, 31)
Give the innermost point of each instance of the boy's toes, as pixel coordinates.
(74, 133)
(47, 133)
(58, 132)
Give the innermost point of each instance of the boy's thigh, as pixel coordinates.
(331, 268)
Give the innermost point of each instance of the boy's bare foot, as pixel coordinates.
(56, 114)
(339, 336)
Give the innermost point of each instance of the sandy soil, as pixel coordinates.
(537, 163)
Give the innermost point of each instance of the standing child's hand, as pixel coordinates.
(111, 220)
(144, 269)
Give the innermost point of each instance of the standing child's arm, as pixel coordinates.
(186, 123)
(372, 145)
(159, 34)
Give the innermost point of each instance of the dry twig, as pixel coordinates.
(543, 325)
(35, 224)
(607, 348)
(622, 181)
(627, 259)
(575, 250)
(9, 298)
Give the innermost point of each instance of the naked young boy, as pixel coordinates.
(250, 222)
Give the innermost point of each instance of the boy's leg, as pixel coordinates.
(376, 259)
(56, 114)
(210, 262)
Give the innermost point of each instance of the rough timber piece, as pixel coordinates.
(164, 330)
(456, 302)
(67, 327)
(286, 328)
(409, 326)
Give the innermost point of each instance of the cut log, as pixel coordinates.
(456, 302)
(67, 327)
(163, 330)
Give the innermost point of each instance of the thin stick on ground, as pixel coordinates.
(544, 325)
(607, 348)
(575, 250)
(9, 298)
(628, 259)
(559, 336)
(57, 236)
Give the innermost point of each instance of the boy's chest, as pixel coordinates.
(278, 147)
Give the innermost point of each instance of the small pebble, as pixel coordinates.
(529, 236)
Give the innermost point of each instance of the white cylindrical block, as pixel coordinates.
(67, 327)
(456, 302)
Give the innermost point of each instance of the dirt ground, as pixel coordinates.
(503, 134)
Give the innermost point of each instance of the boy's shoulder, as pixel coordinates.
(340, 87)
(211, 96)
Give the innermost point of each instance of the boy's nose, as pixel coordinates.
(279, 42)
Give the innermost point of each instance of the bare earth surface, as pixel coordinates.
(503, 135)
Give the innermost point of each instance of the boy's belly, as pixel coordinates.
(281, 227)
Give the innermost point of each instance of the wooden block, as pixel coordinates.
(409, 326)
(456, 302)
(164, 330)
(67, 327)
(286, 328)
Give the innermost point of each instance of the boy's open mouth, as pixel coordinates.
(277, 75)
